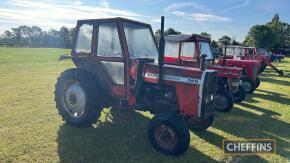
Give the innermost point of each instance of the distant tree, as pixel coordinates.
(260, 36)
(7, 38)
(64, 37)
(234, 41)
(205, 34)
(71, 36)
(224, 40)
(169, 31)
(213, 44)
(36, 36)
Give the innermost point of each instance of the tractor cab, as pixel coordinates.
(233, 52)
(250, 52)
(186, 50)
(118, 65)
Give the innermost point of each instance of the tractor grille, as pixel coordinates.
(209, 88)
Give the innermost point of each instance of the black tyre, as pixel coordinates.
(281, 73)
(262, 68)
(248, 84)
(199, 124)
(223, 100)
(240, 95)
(258, 82)
(78, 98)
(169, 134)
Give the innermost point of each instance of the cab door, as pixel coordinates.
(110, 56)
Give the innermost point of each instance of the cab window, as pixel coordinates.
(108, 41)
(171, 49)
(84, 39)
(188, 49)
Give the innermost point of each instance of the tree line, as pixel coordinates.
(25, 36)
(273, 35)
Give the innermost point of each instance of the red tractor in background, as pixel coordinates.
(231, 58)
(118, 66)
(250, 53)
(186, 50)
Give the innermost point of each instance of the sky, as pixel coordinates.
(217, 17)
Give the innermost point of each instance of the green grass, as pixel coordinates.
(32, 131)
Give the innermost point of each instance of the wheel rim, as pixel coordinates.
(74, 99)
(221, 102)
(165, 136)
(247, 86)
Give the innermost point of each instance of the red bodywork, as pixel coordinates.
(235, 59)
(250, 53)
(194, 61)
(192, 85)
(250, 67)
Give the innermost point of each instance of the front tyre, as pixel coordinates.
(77, 97)
(248, 84)
(258, 82)
(169, 134)
(223, 101)
(199, 124)
(240, 95)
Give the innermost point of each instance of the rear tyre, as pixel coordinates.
(169, 134)
(281, 73)
(248, 84)
(240, 95)
(262, 68)
(223, 100)
(78, 98)
(258, 82)
(199, 124)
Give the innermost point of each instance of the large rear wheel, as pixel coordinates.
(78, 98)
(169, 134)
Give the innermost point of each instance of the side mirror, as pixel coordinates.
(63, 57)
(202, 61)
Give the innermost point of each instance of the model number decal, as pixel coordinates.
(174, 78)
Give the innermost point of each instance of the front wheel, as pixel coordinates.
(78, 98)
(199, 124)
(169, 134)
(258, 82)
(248, 84)
(240, 95)
(223, 101)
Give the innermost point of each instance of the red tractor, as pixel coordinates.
(250, 53)
(186, 50)
(231, 58)
(118, 66)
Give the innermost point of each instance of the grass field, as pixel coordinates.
(32, 131)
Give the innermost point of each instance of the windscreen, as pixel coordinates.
(171, 49)
(140, 41)
(234, 51)
(205, 49)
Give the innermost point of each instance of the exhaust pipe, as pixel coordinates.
(202, 58)
(161, 54)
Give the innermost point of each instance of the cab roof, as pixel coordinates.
(186, 38)
(116, 19)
